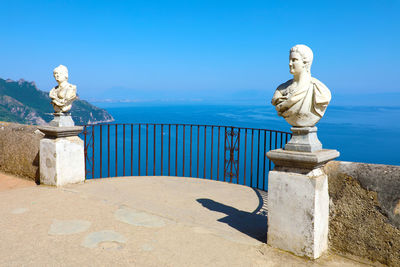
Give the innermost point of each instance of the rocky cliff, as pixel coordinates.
(23, 102)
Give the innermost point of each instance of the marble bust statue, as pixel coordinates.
(64, 93)
(301, 101)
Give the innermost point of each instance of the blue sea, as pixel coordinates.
(360, 134)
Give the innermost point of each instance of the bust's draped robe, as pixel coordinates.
(305, 106)
(62, 98)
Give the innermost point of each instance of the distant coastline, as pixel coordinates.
(22, 102)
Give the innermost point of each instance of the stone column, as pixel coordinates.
(62, 159)
(298, 200)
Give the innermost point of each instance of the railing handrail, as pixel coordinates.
(187, 124)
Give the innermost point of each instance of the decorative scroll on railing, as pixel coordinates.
(222, 153)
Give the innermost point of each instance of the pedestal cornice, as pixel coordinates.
(57, 132)
(302, 160)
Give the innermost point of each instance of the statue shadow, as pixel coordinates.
(253, 224)
(35, 163)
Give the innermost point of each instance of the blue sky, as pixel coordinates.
(199, 50)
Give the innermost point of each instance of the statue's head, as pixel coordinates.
(61, 73)
(300, 59)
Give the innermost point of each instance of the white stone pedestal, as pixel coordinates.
(298, 201)
(61, 155)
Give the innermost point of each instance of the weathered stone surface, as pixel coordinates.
(198, 237)
(59, 227)
(298, 213)
(19, 210)
(62, 161)
(363, 219)
(138, 218)
(12, 182)
(92, 240)
(19, 150)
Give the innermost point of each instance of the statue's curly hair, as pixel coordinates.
(63, 69)
(305, 52)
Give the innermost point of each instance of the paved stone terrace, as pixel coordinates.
(139, 221)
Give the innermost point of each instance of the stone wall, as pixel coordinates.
(365, 210)
(19, 150)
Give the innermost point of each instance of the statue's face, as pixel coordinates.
(296, 64)
(60, 76)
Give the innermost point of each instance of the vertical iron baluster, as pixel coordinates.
(238, 157)
(212, 144)
(276, 140)
(205, 151)
(183, 152)
(116, 150)
(147, 149)
(219, 139)
(162, 147)
(85, 147)
(108, 149)
(265, 153)
(286, 138)
(154, 150)
(281, 140)
(131, 149)
(169, 149)
(176, 150)
(123, 148)
(270, 147)
(191, 128)
(251, 159)
(245, 156)
(232, 155)
(93, 132)
(258, 159)
(225, 155)
(198, 142)
(139, 149)
(101, 151)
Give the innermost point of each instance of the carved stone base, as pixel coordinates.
(304, 139)
(62, 161)
(62, 120)
(61, 156)
(298, 201)
(298, 213)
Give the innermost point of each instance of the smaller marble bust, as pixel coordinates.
(301, 101)
(64, 93)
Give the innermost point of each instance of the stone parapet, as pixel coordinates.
(19, 150)
(365, 210)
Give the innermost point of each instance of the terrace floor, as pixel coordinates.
(140, 221)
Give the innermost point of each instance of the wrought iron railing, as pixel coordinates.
(223, 153)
